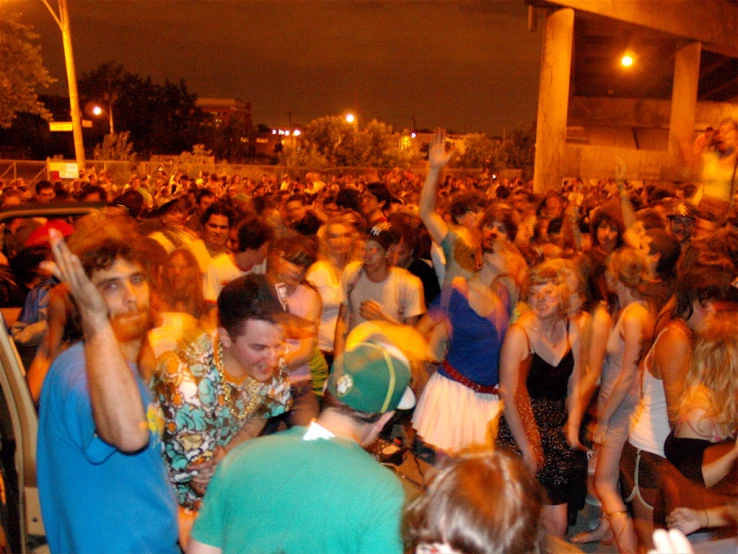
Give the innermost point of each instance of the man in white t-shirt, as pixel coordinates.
(373, 290)
(254, 236)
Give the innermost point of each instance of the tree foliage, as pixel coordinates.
(520, 150)
(161, 119)
(479, 152)
(22, 70)
(332, 141)
(115, 147)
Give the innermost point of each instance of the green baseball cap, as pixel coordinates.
(372, 377)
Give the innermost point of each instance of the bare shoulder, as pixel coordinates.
(601, 317)
(674, 337)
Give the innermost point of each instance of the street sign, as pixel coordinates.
(55, 126)
(67, 125)
(64, 170)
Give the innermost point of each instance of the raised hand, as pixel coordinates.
(620, 170)
(69, 269)
(438, 157)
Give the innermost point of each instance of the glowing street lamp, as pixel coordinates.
(350, 118)
(627, 60)
(98, 111)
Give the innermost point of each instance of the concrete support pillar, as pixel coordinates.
(553, 98)
(684, 96)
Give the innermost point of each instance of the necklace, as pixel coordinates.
(545, 338)
(251, 388)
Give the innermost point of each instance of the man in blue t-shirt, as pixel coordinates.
(101, 477)
(265, 496)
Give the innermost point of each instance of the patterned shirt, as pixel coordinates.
(197, 416)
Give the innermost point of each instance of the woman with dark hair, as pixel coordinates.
(484, 503)
(607, 230)
(179, 303)
(460, 402)
(662, 375)
(181, 285)
(287, 264)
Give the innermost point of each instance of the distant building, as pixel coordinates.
(226, 111)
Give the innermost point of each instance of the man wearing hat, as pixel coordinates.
(682, 218)
(375, 291)
(375, 203)
(315, 489)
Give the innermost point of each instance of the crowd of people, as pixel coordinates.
(210, 354)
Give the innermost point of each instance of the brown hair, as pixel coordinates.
(486, 503)
(191, 297)
(551, 271)
(628, 266)
(102, 237)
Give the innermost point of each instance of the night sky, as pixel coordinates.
(465, 66)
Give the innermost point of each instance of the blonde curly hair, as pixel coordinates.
(712, 380)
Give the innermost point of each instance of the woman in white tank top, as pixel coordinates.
(661, 379)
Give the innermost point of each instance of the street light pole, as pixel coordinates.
(62, 20)
(111, 97)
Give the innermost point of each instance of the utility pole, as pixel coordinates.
(62, 20)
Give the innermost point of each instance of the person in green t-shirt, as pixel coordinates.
(265, 496)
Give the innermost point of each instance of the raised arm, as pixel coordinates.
(117, 409)
(437, 160)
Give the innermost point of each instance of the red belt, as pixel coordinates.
(459, 378)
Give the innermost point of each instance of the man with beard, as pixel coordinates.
(682, 218)
(102, 481)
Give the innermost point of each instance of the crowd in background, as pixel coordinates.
(590, 331)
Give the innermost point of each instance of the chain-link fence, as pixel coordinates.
(28, 170)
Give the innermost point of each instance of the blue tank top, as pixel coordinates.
(476, 341)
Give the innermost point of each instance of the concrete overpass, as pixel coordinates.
(590, 109)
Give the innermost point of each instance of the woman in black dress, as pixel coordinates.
(540, 378)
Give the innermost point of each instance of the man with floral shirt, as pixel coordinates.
(218, 390)
(265, 497)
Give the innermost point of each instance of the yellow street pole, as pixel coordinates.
(63, 21)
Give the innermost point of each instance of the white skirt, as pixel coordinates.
(452, 417)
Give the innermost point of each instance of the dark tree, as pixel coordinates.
(162, 119)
